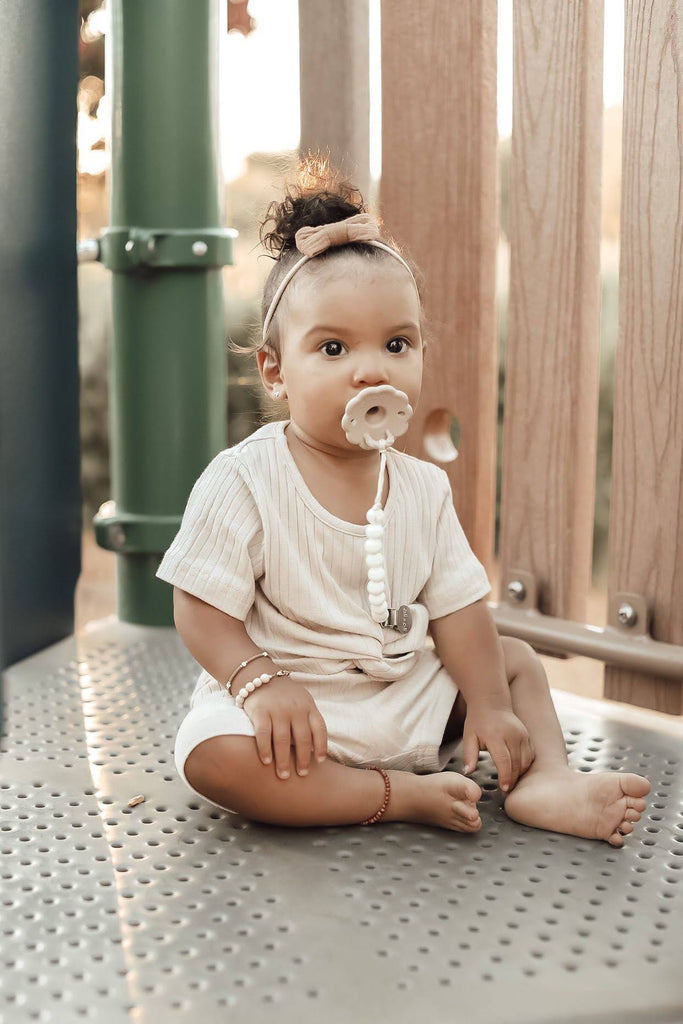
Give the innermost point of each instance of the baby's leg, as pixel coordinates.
(551, 795)
(228, 770)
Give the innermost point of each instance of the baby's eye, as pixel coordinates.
(324, 347)
(405, 341)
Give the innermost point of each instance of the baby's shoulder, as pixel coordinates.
(239, 468)
(251, 453)
(430, 476)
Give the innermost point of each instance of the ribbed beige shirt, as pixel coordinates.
(255, 543)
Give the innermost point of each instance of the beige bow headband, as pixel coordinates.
(311, 241)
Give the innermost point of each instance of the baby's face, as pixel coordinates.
(345, 330)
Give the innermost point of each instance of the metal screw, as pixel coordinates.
(627, 615)
(151, 242)
(517, 590)
(117, 536)
(107, 509)
(129, 245)
(199, 248)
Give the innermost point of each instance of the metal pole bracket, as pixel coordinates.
(129, 534)
(133, 249)
(520, 591)
(625, 641)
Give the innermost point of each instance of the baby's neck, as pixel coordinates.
(329, 455)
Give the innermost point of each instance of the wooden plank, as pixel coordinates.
(646, 521)
(553, 347)
(334, 84)
(438, 198)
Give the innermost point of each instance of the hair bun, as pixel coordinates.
(318, 195)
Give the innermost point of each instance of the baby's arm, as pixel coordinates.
(216, 640)
(470, 650)
(283, 713)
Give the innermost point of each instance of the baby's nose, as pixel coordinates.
(371, 375)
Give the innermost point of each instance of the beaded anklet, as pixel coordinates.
(387, 792)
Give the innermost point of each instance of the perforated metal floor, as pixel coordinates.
(174, 909)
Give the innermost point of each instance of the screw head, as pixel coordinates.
(117, 536)
(107, 509)
(129, 245)
(516, 590)
(627, 615)
(199, 248)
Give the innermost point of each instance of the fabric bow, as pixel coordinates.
(361, 227)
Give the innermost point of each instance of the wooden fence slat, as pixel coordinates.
(438, 198)
(334, 84)
(553, 347)
(646, 516)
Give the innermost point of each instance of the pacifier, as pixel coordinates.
(375, 415)
(373, 419)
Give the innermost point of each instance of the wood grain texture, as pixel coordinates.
(646, 515)
(334, 84)
(553, 348)
(438, 200)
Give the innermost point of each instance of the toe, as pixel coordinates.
(635, 786)
(626, 828)
(462, 823)
(472, 790)
(466, 826)
(630, 814)
(465, 810)
(616, 840)
(635, 803)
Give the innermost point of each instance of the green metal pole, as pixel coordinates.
(166, 246)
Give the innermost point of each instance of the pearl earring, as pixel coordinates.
(276, 394)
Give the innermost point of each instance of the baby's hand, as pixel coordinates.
(284, 715)
(499, 731)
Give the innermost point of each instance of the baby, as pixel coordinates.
(303, 689)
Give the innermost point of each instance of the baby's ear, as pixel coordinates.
(268, 365)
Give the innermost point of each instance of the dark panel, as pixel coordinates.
(40, 497)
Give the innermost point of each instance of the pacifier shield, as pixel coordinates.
(376, 414)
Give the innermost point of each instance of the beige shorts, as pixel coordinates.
(396, 724)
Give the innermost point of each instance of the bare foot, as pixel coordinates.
(593, 805)
(445, 799)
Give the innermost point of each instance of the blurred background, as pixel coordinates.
(259, 80)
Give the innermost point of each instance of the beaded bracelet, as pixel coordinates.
(263, 654)
(255, 683)
(385, 803)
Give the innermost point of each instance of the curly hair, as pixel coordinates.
(319, 194)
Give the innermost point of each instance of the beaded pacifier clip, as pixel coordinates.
(373, 419)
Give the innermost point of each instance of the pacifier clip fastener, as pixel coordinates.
(400, 619)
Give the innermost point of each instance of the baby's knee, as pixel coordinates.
(215, 766)
(519, 656)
